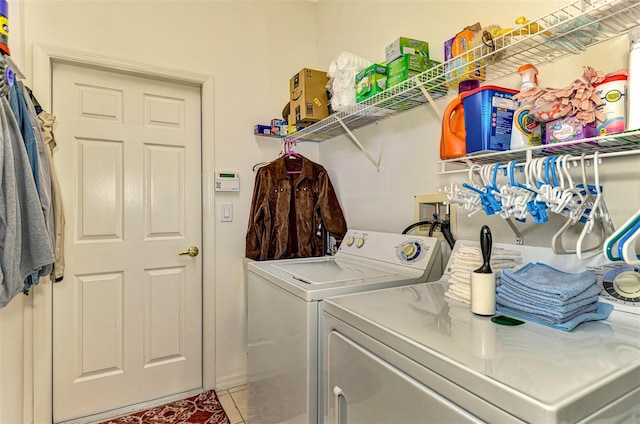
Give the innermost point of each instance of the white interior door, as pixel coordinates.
(127, 318)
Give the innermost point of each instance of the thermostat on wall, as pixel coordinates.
(227, 181)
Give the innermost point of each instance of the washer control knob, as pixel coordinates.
(350, 240)
(409, 251)
(359, 242)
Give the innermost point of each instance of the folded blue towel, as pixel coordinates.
(543, 279)
(602, 312)
(509, 292)
(553, 314)
(515, 288)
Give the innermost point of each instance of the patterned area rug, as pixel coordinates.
(204, 408)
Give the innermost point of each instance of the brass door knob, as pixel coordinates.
(192, 251)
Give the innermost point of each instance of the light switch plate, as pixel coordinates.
(226, 212)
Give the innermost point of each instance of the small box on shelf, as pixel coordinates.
(370, 81)
(404, 45)
(567, 129)
(262, 129)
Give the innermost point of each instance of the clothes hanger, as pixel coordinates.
(627, 245)
(537, 208)
(557, 241)
(612, 245)
(290, 154)
(522, 195)
(599, 216)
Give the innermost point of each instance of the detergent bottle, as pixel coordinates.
(525, 130)
(453, 141)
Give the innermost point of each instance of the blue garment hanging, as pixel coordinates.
(21, 113)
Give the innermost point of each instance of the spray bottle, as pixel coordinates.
(525, 130)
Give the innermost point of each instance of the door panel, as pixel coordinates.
(127, 318)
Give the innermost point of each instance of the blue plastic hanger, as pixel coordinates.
(627, 245)
(616, 238)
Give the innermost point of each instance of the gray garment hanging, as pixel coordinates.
(24, 242)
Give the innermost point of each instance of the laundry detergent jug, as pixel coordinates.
(488, 118)
(453, 142)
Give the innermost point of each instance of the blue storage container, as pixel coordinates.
(488, 117)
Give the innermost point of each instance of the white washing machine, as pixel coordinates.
(411, 355)
(285, 315)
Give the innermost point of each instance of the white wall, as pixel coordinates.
(252, 48)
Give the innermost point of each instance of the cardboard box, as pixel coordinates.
(404, 45)
(567, 129)
(279, 127)
(401, 76)
(414, 62)
(448, 46)
(308, 98)
(462, 40)
(370, 81)
(262, 129)
(458, 66)
(432, 81)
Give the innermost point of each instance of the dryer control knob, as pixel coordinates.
(349, 240)
(359, 242)
(409, 250)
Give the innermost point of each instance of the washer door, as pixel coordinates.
(331, 270)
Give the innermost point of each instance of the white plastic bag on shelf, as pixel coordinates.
(342, 73)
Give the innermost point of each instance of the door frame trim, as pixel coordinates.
(44, 55)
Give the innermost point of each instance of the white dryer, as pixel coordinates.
(411, 355)
(285, 315)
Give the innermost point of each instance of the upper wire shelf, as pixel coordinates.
(569, 30)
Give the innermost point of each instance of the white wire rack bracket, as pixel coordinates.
(357, 142)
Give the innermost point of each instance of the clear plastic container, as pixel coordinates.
(633, 113)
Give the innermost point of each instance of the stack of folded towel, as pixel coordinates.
(469, 258)
(546, 295)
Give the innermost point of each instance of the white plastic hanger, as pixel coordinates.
(598, 218)
(557, 241)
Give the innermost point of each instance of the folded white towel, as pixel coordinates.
(461, 275)
(496, 253)
(458, 293)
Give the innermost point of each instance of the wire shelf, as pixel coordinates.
(569, 30)
(627, 143)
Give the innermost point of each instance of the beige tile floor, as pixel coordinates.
(234, 402)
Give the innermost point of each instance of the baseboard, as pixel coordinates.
(231, 381)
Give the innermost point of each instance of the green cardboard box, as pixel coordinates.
(413, 62)
(370, 81)
(400, 76)
(404, 45)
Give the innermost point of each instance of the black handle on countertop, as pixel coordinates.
(486, 241)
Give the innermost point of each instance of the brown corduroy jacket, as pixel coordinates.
(288, 210)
